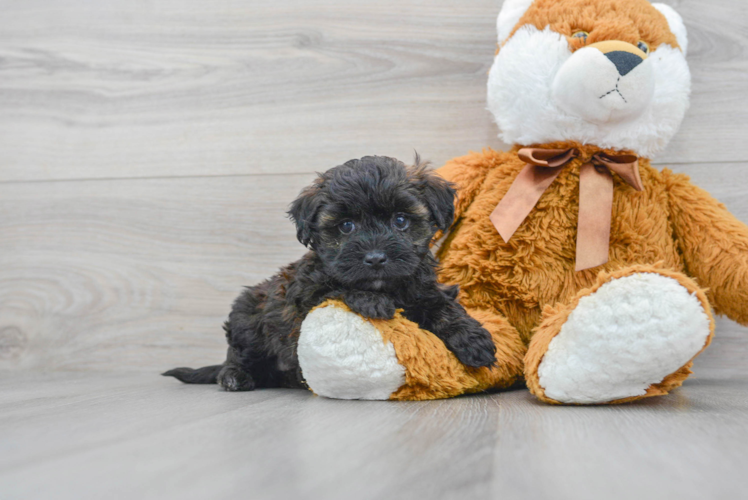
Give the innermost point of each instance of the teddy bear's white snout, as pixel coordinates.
(604, 87)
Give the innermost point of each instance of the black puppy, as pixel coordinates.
(368, 224)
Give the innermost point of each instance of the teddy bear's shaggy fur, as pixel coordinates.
(675, 228)
(590, 76)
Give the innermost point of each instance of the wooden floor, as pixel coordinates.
(136, 436)
(148, 151)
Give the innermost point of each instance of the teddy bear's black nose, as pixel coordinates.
(624, 61)
(375, 259)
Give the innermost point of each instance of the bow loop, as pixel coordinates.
(595, 196)
(547, 157)
(626, 166)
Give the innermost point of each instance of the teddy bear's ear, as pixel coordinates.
(511, 12)
(676, 24)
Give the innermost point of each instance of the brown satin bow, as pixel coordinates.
(595, 196)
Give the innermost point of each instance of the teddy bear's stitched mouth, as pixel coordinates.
(615, 90)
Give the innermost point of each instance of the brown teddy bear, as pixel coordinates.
(595, 273)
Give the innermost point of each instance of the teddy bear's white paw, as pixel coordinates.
(343, 356)
(631, 333)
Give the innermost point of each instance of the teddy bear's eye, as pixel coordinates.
(581, 35)
(643, 46)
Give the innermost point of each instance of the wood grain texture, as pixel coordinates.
(115, 89)
(93, 436)
(116, 274)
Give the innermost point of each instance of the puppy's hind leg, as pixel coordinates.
(233, 378)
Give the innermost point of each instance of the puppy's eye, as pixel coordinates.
(347, 227)
(581, 36)
(643, 46)
(401, 222)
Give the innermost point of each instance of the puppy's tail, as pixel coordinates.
(204, 375)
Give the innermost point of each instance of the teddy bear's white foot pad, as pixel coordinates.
(343, 356)
(631, 333)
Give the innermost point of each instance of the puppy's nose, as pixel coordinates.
(375, 259)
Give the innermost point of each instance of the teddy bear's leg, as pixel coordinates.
(433, 372)
(345, 356)
(632, 335)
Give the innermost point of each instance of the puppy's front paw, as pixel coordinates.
(370, 305)
(473, 346)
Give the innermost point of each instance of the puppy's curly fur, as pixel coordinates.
(368, 224)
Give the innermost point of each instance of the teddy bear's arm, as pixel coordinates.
(467, 173)
(714, 245)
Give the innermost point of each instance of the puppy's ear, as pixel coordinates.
(303, 212)
(437, 193)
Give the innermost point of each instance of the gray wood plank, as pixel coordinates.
(662, 448)
(138, 89)
(115, 274)
(91, 436)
